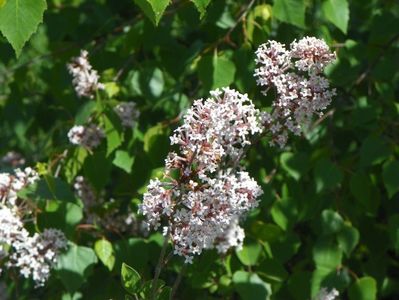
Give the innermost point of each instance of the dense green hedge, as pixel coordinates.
(329, 215)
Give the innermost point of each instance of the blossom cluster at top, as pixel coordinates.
(33, 255)
(296, 76)
(215, 130)
(85, 78)
(86, 136)
(203, 207)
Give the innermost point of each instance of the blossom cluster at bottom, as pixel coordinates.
(32, 255)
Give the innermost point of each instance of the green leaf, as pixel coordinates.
(112, 89)
(249, 254)
(363, 289)
(2, 3)
(374, 150)
(97, 169)
(223, 71)
(390, 174)
(327, 175)
(130, 279)
(105, 253)
(75, 266)
(153, 9)
(156, 143)
(393, 229)
(113, 131)
(75, 161)
(266, 232)
(62, 215)
(284, 212)
(146, 289)
(165, 293)
(347, 239)
(296, 164)
(360, 186)
(19, 20)
(123, 160)
(258, 23)
(273, 270)
(331, 222)
(337, 12)
(290, 11)
(201, 6)
(327, 255)
(156, 83)
(48, 188)
(216, 71)
(85, 112)
(251, 287)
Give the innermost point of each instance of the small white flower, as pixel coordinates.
(324, 294)
(302, 91)
(128, 113)
(87, 136)
(85, 78)
(13, 159)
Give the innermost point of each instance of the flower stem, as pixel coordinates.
(177, 282)
(159, 266)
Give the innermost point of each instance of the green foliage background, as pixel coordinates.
(329, 216)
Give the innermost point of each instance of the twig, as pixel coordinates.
(61, 160)
(375, 62)
(124, 67)
(226, 37)
(159, 267)
(177, 282)
(330, 113)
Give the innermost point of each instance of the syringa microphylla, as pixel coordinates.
(85, 78)
(215, 130)
(324, 294)
(296, 76)
(11, 184)
(206, 214)
(13, 159)
(85, 192)
(33, 255)
(203, 206)
(128, 113)
(86, 136)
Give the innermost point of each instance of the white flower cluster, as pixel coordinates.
(35, 256)
(204, 206)
(11, 227)
(85, 78)
(128, 113)
(87, 136)
(206, 215)
(324, 294)
(215, 130)
(13, 159)
(85, 192)
(32, 255)
(11, 184)
(296, 75)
